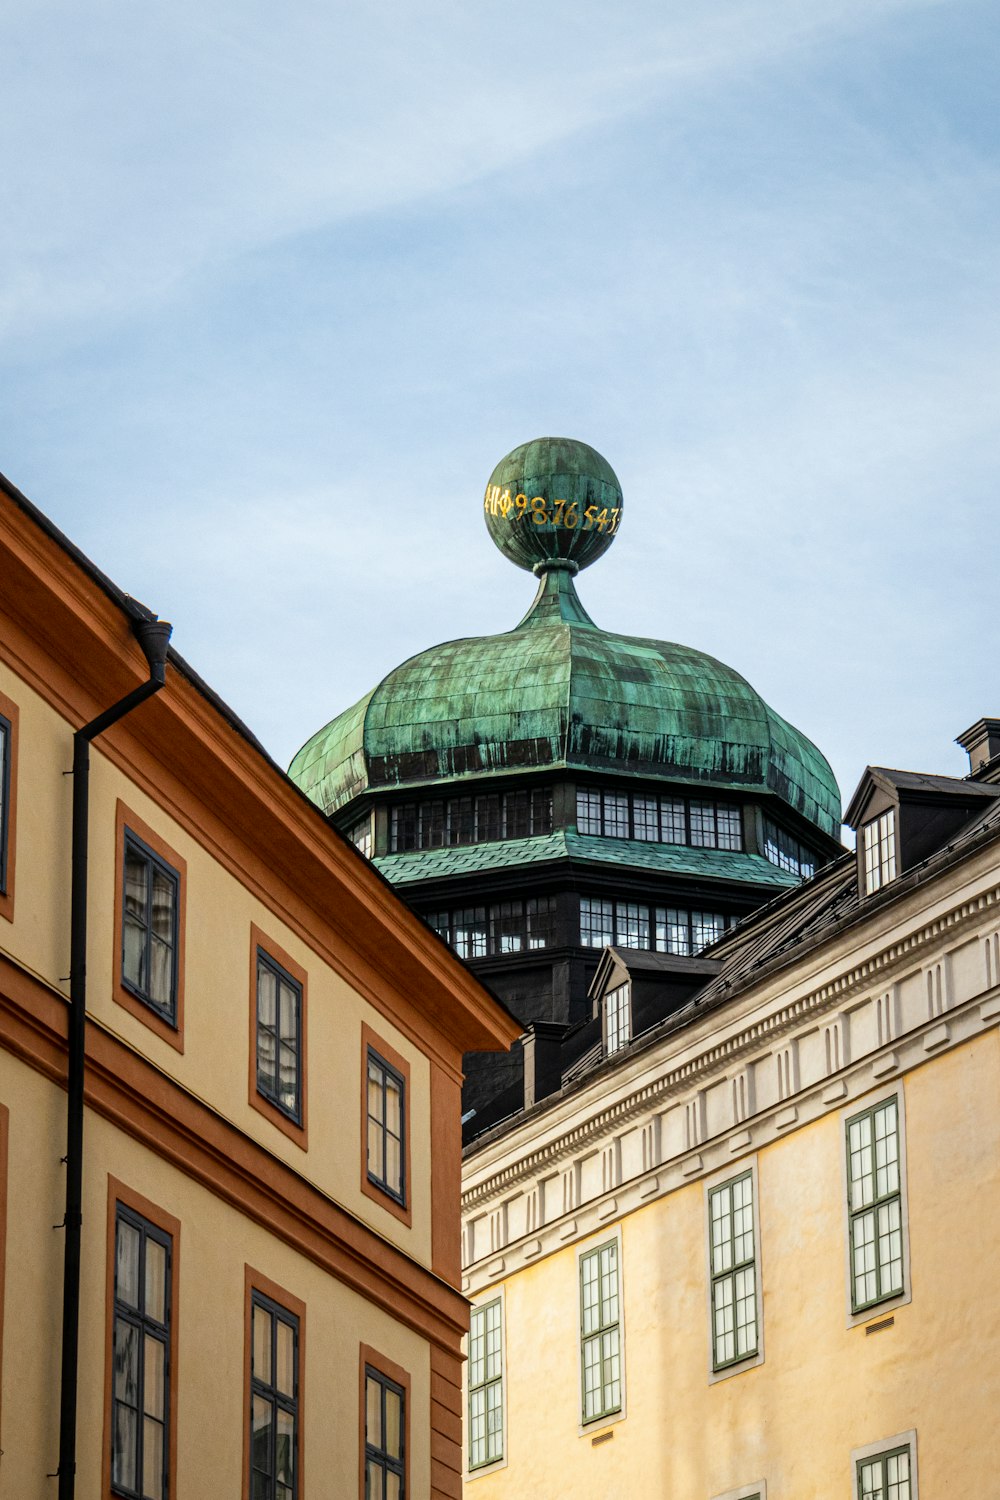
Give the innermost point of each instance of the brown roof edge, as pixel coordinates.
(489, 1025)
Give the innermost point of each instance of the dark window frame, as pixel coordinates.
(685, 802)
(385, 1461)
(467, 819)
(649, 920)
(145, 1326)
(154, 861)
(268, 1391)
(7, 735)
(372, 1055)
(266, 960)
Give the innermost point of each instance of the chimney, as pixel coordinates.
(982, 742)
(541, 1047)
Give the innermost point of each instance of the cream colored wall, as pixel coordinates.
(823, 1388)
(215, 1244)
(219, 913)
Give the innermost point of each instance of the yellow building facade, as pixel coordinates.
(268, 1298)
(750, 1252)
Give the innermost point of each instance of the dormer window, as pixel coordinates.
(879, 838)
(617, 1018)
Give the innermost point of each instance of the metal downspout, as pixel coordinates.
(153, 636)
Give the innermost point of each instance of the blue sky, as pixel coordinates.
(280, 285)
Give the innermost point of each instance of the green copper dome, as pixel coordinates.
(559, 692)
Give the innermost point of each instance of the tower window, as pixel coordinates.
(879, 838)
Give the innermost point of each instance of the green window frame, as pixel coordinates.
(732, 1253)
(486, 1385)
(875, 1204)
(600, 1332)
(886, 1476)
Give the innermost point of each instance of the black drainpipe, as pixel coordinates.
(153, 636)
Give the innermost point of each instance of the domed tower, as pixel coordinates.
(544, 793)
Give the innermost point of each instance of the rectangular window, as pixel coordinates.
(274, 1400)
(151, 898)
(617, 1018)
(486, 1385)
(729, 826)
(588, 812)
(631, 925)
(616, 825)
(786, 852)
(595, 923)
(646, 823)
(880, 850)
(600, 1332)
(702, 825)
(886, 1476)
(673, 931)
(404, 827)
(734, 1273)
(469, 932)
(386, 1127)
(673, 823)
(875, 1205)
(6, 737)
(507, 927)
(360, 835)
(279, 1036)
(385, 1437)
(541, 919)
(141, 1357)
(706, 927)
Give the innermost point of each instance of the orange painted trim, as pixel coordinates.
(118, 1192)
(297, 1131)
(369, 1357)
(4, 1152)
(126, 819)
(372, 1042)
(149, 1106)
(256, 1281)
(10, 711)
(446, 1176)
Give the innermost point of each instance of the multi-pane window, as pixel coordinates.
(385, 1437)
(360, 835)
(386, 1110)
(140, 1395)
(879, 838)
(448, 822)
(149, 928)
(886, 1476)
(5, 754)
(617, 1018)
(786, 852)
(734, 1272)
(274, 1401)
(600, 1332)
(485, 1385)
(875, 1204)
(668, 820)
(279, 1036)
(632, 924)
(504, 927)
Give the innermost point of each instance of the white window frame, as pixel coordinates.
(886, 1445)
(900, 1299)
(717, 1180)
(880, 853)
(623, 1018)
(491, 1294)
(598, 1424)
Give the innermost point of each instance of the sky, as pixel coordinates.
(280, 285)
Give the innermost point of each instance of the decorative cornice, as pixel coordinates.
(715, 1058)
